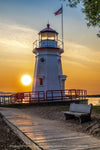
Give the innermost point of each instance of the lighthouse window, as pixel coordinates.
(41, 81)
(42, 60)
(44, 36)
(56, 37)
(51, 36)
(48, 36)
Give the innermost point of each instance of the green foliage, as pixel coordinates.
(73, 3)
(92, 11)
(91, 8)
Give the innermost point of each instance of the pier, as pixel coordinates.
(48, 97)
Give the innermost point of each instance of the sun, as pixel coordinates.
(26, 79)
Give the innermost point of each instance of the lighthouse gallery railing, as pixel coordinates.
(36, 44)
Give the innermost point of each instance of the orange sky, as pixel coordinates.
(80, 60)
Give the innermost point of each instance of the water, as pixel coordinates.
(94, 100)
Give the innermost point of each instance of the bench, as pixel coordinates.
(82, 111)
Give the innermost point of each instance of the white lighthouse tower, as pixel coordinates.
(48, 73)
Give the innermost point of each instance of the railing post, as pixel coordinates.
(8, 99)
(38, 96)
(71, 94)
(52, 94)
(61, 95)
(79, 94)
(43, 95)
(29, 97)
(85, 93)
(4, 99)
(82, 93)
(46, 95)
(75, 94)
(21, 100)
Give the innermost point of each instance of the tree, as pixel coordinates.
(91, 8)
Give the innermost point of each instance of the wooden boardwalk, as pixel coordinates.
(49, 134)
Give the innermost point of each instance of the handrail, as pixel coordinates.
(43, 96)
(36, 44)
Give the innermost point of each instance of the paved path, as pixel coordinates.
(49, 134)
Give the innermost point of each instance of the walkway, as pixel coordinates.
(49, 134)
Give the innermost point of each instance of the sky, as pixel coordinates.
(20, 23)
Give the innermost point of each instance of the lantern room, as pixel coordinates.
(48, 37)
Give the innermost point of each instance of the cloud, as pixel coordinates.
(81, 55)
(17, 36)
(16, 44)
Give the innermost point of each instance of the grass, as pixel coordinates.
(22, 106)
(64, 107)
(96, 109)
(15, 105)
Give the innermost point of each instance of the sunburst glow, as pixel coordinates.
(26, 80)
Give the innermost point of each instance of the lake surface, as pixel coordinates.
(94, 100)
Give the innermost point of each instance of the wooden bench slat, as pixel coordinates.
(80, 107)
(75, 113)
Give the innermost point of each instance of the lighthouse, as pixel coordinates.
(48, 74)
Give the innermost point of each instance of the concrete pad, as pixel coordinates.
(49, 134)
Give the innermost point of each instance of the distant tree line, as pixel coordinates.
(93, 95)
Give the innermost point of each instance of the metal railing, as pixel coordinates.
(36, 44)
(42, 96)
(68, 94)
